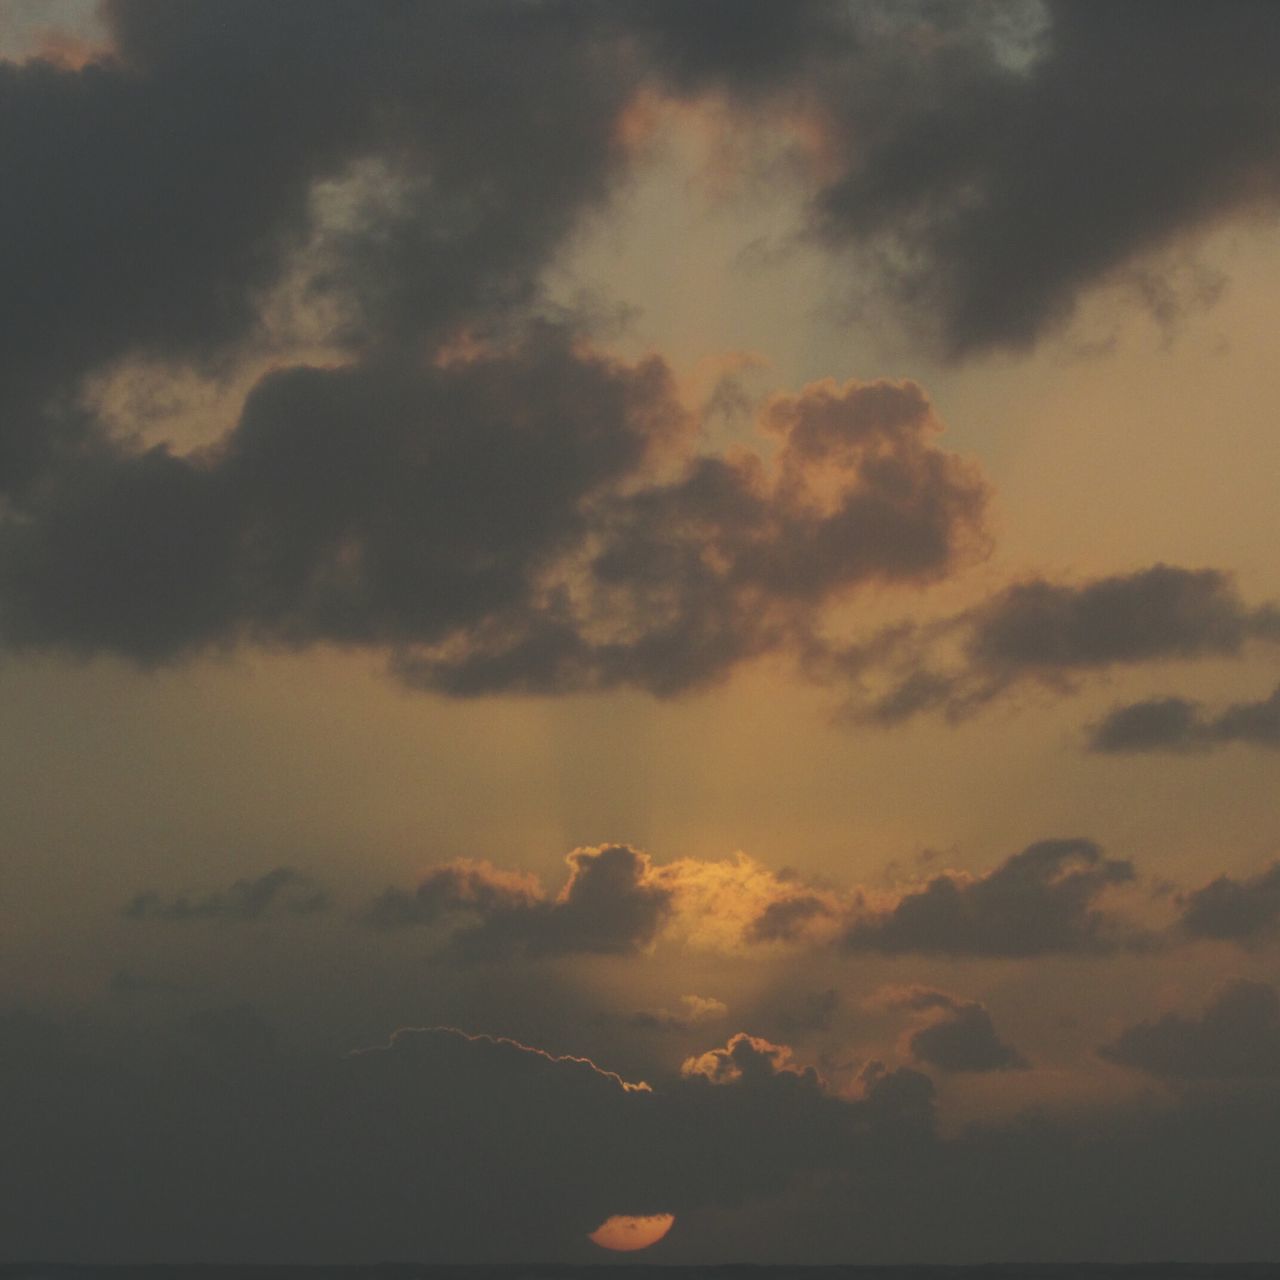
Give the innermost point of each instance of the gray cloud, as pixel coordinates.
(495, 524)
(1179, 725)
(1237, 1036)
(407, 1151)
(1052, 635)
(1041, 901)
(998, 175)
(1234, 910)
(610, 904)
(995, 163)
(154, 206)
(469, 490)
(966, 1040)
(958, 1035)
(283, 891)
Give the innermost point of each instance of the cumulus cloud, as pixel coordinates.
(617, 899)
(1046, 899)
(611, 903)
(1180, 725)
(748, 1058)
(282, 891)
(957, 1035)
(1239, 910)
(1236, 1037)
(1050, 635)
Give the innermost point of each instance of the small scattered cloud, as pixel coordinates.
(956, 1035)
(1179, 725)
(282, 891)
(1052, 635)
(747, 1058)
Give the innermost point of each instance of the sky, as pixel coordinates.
(639, 630)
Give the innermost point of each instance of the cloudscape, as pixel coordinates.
(639, 628)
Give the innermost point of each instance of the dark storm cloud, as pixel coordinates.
(1180, 725)
(410, 1151)
(282, 891)
(1053, 635)
(407, 1151)
(1044, 900)
(610, 904)
(1228, 909)
(157, 193)
(467, 489)
(998, 183)
(1237, 1036)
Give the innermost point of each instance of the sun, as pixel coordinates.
(625, 1233)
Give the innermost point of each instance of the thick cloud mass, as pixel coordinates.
(438, 1146)
(476, 492)
(1038, 902)
(497, 523)
(409, 1152)
(1237, 1036)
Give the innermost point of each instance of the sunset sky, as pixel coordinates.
(639, 628)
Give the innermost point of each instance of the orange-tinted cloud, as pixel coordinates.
(616, 899)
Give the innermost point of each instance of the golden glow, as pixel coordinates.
(625, 1234)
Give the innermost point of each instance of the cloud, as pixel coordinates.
(407, 1151)
(693, 1011)
(453, 482)
(1179, 725)
(1042, 901)
(530, 519)
(1236, 1037)
(610, 904)
(957, 1035)
(202, 205)
(282, 891)
(998, 165)
(1051, 635)
(1227, 909)
(617, 900)
(747, 1058)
